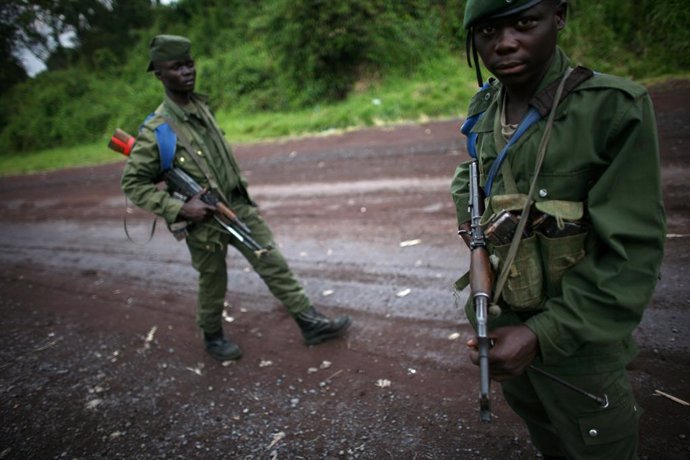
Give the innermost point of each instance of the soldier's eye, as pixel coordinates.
(526, 23)
(487, 31)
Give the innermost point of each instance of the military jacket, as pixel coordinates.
(603, 153)
(214, 164)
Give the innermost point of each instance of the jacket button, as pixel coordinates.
(181, 159)
(593, 433)
(543, 193)
(198, 152)
(487, 97)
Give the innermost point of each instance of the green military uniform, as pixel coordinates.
(601, 167)
(207, 242)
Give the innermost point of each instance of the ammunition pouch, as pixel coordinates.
(180, 230)
(553, 243)
(524, 288)
(558, 255)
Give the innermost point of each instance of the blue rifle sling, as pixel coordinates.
(467, 126)
(466, 129)
(530, 118)
(167, 141)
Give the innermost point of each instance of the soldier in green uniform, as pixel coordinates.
(589, 256)
(202, 151)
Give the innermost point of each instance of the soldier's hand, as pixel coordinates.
(514, 349)
(195, 209)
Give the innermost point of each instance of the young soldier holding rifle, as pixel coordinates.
(183, 134)
(573, 228)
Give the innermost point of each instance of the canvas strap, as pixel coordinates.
(541, 154)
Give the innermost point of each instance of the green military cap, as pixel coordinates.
(484, 9)
(168, 48)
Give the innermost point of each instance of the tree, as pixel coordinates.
(63, 32)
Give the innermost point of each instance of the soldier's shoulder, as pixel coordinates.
(607, 82)
(153, 120)
(483, 98)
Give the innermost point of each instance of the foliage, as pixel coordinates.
(640, 39)
(267, 64)
(322, 47)
(438, 89)
(65, 32)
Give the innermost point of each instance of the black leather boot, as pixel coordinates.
(221, 348)
(316, 327)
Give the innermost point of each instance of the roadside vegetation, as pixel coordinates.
(280, 68)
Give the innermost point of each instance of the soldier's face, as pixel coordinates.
(518, 49)
(178, 76)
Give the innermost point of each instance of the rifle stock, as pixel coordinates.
(183, 185)
(480, 287)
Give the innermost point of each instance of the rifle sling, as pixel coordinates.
(124, 223)
(541, 153)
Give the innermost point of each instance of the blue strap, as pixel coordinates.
(466, 129)
(167, 141)
(531, 117)
(469, 123)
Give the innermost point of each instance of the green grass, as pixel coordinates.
(58, 158)
(438, 89)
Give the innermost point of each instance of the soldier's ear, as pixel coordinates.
(157, 70)
(561, 14)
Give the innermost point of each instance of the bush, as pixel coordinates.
(278, 55)
(322, 47)
(242, 77)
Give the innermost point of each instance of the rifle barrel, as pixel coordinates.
(484, 343)
(480, 285)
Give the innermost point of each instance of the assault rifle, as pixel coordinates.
(480, 287)
(183, 187)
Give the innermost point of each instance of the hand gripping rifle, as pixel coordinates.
(181, 185)
(480, 288)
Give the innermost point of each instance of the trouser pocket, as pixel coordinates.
(523, 289)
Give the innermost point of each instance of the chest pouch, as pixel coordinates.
(552, 243)
(562, 232)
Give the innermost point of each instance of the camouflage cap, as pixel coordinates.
(168, 48)
(481, 9)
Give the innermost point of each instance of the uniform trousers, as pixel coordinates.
(564, 423)
(209, 260)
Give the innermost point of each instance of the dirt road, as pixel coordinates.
(100, 358)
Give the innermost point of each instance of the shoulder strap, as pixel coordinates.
(530, 118)
(541, 105)
(468, 124)
(541, 153)
(545, 99)
(166, 139)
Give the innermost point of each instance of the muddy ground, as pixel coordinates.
(100, 357)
